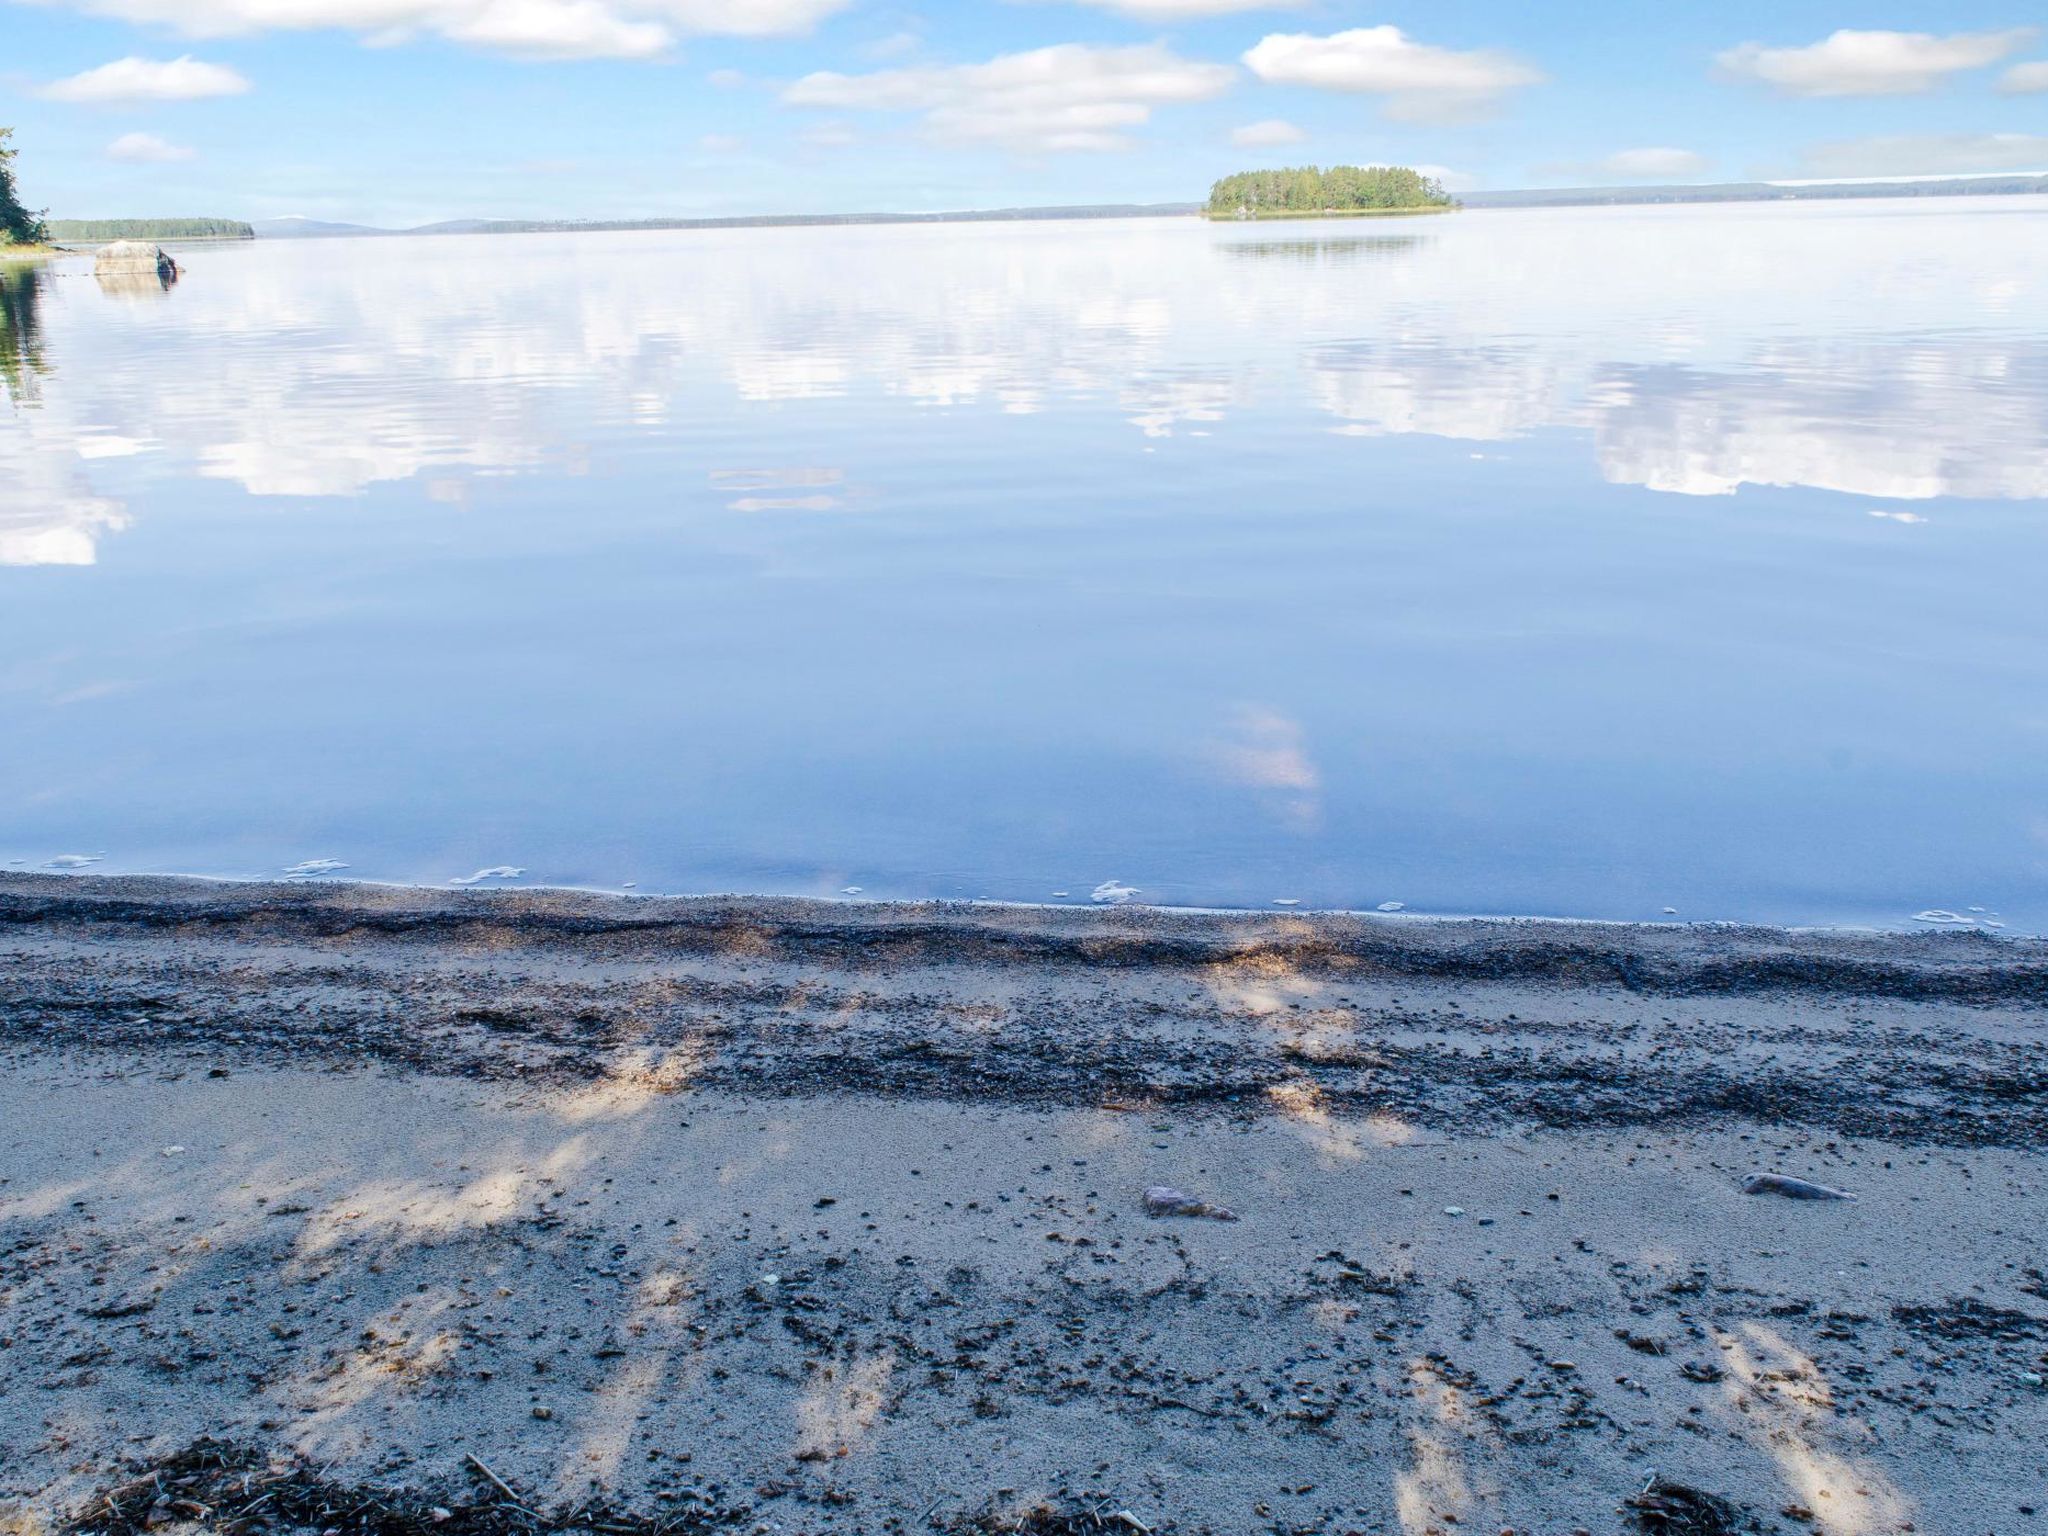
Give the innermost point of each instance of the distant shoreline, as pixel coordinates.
(2017, 185)
(1554, 197)
(1570, 197)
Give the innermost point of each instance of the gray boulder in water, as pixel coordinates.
(131, 259)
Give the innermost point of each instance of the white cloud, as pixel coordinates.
(1068, 97)
(542, 29)
(725, 79)
(1270, 134)
(1653, 164)
(1421, 83)
(1448, 179)
(896, 45)
(134, 79)
(1929, 154)
(1188, 10)
(722, 143)
(146, 149)
(828, 136)
(743, 18)
(1849, 63)
(2025, 79)
(546, 29)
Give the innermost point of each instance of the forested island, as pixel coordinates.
(1311, 192)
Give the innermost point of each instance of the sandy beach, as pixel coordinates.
(523, 1210)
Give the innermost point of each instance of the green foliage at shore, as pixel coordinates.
(1310, 189)
(150, 229)
(17, 225)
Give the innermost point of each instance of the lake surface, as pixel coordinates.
(1593, 562)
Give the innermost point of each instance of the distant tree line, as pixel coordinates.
(780, 220)
(150, 229)
(1339, 189)
(1759, 192)
(17, 225)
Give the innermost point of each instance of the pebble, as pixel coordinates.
(1165, 1200)
(1791, 1188)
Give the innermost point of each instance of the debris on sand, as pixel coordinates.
(1165, 1200)
(215, 1486)
(1065, 1517)
(1791, 1188)
(1672, 1509)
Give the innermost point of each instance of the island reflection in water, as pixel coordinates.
(1579, 561)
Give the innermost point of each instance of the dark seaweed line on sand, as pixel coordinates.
(1964, 968)
(1990, 1095)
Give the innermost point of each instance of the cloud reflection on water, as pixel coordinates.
(1873, 350)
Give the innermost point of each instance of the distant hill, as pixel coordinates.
(292, 226)
(1755, 192)
(149, 229)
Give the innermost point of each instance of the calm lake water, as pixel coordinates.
(1588, 562)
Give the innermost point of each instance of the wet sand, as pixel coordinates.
(793, 1216)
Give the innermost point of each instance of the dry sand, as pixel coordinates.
(794, 1217)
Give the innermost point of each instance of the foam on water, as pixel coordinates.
(308, 868)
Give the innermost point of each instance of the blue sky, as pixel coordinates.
(403, 111)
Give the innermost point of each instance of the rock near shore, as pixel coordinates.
(135, 258)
